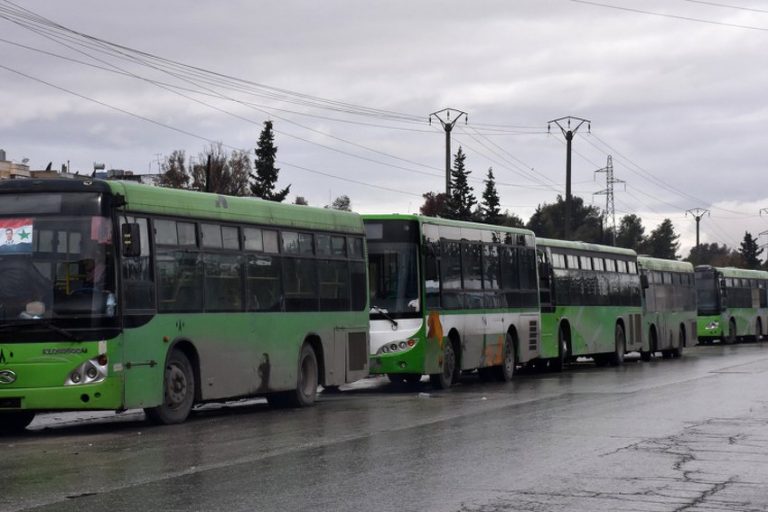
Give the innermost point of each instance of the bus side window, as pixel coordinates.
(432, 275)
(139, 287)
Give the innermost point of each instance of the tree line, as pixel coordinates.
(548, 221)
(231, 173)
(218, 171)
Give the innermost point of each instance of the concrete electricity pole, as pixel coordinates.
(610, 207)
(444, 116)
(568, 133)
(697, 214)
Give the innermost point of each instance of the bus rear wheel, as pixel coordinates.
(444, 379)
(506, 371)
(178, 391)
(307, 381)
(678, 352)
(617, 357)
(14, 422)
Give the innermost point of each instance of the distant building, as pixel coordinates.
(11, 170)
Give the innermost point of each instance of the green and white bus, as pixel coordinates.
(590, 302)
(117, 295)
(731, 303)
(448, 297)
(669, 306)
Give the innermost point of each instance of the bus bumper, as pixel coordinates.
(106, 395)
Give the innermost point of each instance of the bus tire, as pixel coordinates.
(445, 378)
(307, 380)
(617, 357)
(653, 344)
(15, 422)
(678, 352)
(506, 371)
(397, 379)
(558, 364)
(730, 337)
(178, 391)
(758, 329)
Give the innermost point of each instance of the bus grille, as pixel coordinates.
(533, 335)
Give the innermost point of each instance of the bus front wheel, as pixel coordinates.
(178, 391)
(557, 364)
(444, 379)
(14, 422)
(730, 337)
(617, 357)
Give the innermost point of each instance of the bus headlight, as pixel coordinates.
(712, 325)
(401, 346)
(90, 372)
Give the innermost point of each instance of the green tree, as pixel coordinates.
(228, 173)
(301, 200)
(510, 220)
(342, 203)
(461, 200)
(174, 169)
(549, 219)
(265, 177)
(434, 204)
(663, 241)
(631, 233)
(715, 255)
(490, 210)
(750, 252)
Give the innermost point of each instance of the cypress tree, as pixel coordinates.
(265, 177)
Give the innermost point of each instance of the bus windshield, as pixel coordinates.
(393, 278)
(57, 267)
(707, 293)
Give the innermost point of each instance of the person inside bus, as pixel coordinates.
(25, 292)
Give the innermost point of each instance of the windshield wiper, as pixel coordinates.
(36, 323)
(384, 313)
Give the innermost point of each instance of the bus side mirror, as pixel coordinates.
(644, 281)
(131, 239)
(723, 289)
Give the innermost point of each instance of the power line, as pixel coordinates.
(673, 16)
(715, 4)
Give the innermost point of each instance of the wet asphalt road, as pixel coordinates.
(670, 435)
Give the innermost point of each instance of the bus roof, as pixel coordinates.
(650, 263)
(584, 246)
(168, 201)
(735, 272)
(423, 219)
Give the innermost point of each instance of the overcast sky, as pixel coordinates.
(679, 104)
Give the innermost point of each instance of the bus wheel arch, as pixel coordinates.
(181, 377)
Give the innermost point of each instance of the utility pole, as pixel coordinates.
(444, 116)
(697, 214)
(568, 133)
(610, 207)
(763, 210)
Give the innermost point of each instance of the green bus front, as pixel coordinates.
(60, 342)
(732, 303)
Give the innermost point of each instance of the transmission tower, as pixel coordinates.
(568, 133)
(610, 207)
(444, 116)
(697, 214)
